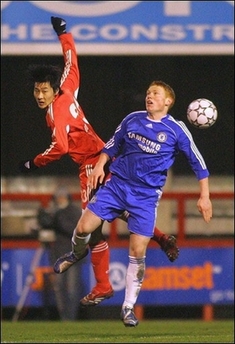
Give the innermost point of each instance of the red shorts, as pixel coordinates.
(86, 192)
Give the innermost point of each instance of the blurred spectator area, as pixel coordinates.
(18, 217)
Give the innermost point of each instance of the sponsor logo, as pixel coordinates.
(108, 27)
(176, 278)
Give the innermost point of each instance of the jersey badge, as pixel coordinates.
(161, 137)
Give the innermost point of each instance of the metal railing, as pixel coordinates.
(181, 199)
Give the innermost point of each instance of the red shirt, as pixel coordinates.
(71, 132)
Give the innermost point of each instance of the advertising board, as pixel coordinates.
(120, 27)
(199, 276)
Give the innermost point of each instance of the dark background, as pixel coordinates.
(111, 87)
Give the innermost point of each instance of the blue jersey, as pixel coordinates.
(144, 149)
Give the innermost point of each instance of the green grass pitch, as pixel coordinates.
(113, 331)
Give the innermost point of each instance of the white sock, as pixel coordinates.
(79, 243)
(134, 280)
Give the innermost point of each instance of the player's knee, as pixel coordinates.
(81, 229)
(84, 227)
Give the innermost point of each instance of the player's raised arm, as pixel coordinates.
(70, 78)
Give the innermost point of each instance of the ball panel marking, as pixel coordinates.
(202, 113)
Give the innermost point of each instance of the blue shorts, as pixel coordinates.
(116, 196)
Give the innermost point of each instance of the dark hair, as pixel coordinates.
(45, 73)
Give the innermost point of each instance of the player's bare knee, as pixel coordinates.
(84, 228)
(80, 229)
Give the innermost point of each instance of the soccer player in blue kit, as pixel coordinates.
(144, 146)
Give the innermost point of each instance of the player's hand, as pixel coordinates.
(59, 25)
(27, 165)
(96, 177)
(205, 208)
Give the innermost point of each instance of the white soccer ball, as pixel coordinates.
(202, 113)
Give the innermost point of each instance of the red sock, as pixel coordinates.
(100, 264)
(157, 235)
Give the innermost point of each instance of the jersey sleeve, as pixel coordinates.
(59, 143)
(187, 145)
(70, 79)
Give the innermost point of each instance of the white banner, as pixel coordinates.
(120, 27)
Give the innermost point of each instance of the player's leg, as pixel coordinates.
(134, 277)
(104, 208)
(98, 242)
(100, 255)
(100, 262)
(79, 241)
(141, 226)
(167, 243)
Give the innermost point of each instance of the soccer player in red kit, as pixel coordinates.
(57, 93)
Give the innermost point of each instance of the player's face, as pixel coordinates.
(156, 100)
(43, 94)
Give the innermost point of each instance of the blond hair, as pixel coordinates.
(169, 91)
